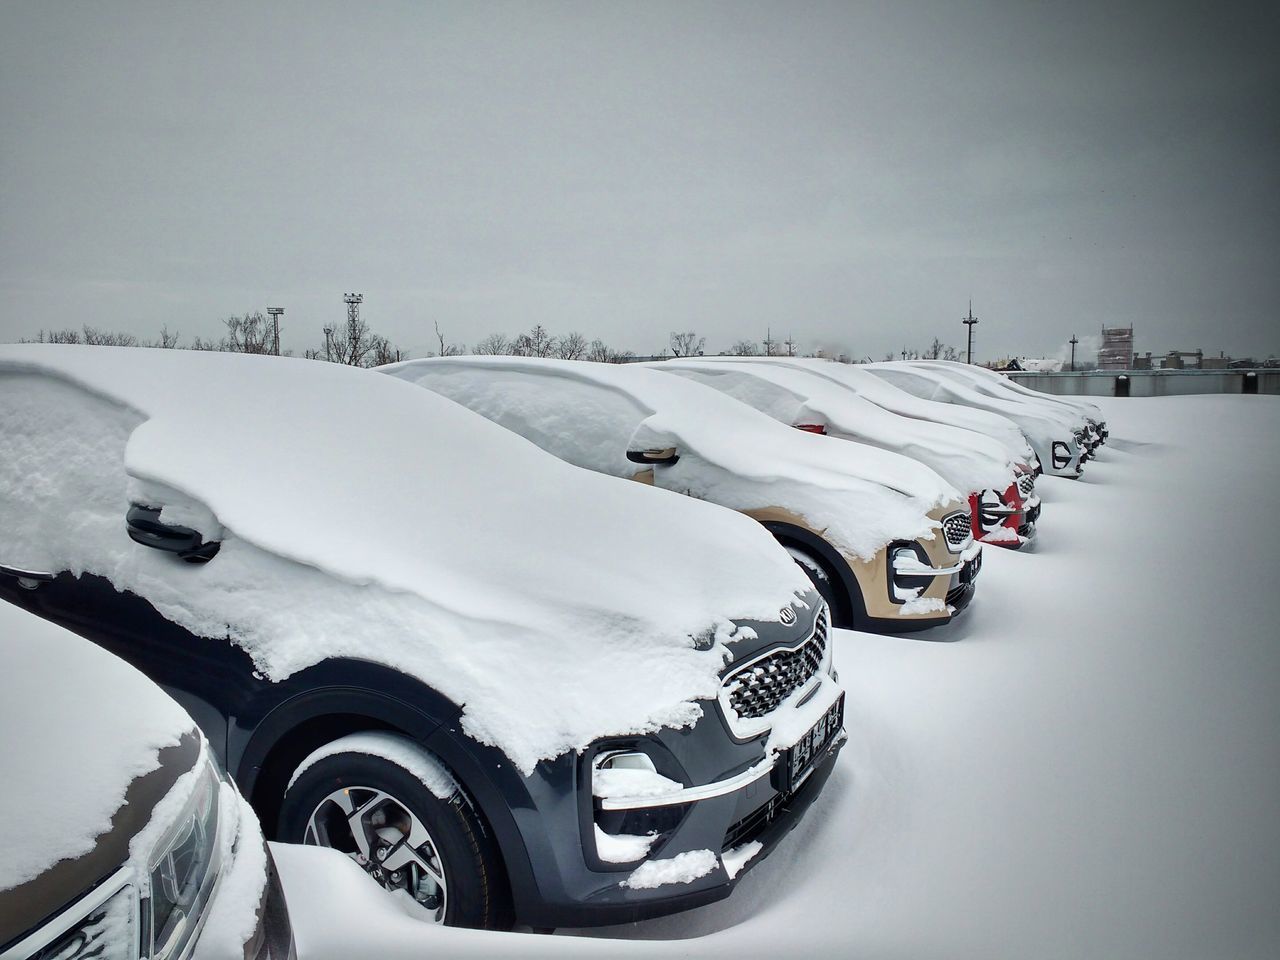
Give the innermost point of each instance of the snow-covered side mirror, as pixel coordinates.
(666, 456)
(145, 527)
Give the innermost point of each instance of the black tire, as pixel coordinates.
(478, 892)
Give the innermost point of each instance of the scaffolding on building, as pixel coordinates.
(1116, 352)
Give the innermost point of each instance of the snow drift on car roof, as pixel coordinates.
(967, 460)
(593, 413)
(364, 517)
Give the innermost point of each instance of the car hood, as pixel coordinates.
(361, 516)
(93, 746)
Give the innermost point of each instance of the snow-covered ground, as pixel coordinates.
(1093, 771)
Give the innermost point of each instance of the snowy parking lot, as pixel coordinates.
(1091, 770)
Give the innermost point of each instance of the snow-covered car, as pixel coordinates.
(1052, 435)
(509, 689)
(120, 837)
(970, 462)
(1094, 423)
(884, 394)
(884, 539)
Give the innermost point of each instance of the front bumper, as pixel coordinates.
(739, 818)
(564, 866)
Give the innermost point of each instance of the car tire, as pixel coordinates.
(348, 792)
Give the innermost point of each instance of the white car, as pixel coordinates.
(884, 538)
(120, 837)
(1052, 435)
(973, 463)
(1093, 420)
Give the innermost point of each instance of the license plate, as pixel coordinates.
(969, 572)
(798, 761)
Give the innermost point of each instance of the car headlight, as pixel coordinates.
(150, 908)
(182, 870)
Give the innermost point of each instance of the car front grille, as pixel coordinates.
(957, 530)
(1026, 486)
(756, 689)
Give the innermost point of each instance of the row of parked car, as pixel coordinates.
(499, 640)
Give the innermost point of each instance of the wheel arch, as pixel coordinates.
(302, 723)
(838, 571)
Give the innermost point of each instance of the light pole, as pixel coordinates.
(275, 313)
(1073, 341)
(969, 321)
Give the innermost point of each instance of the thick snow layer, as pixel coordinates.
(628, 782)
(591, 414)
(401, 751)
(968, 461)
(365, 517)
(77, 726)
(1091, 771)
(682, 868)
(884, 394)
(1081, 405)
(997, 388)
(1040, 426)
(233, 913)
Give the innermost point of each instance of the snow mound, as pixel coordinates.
(401, 751)
(363, 517)
(592, 414)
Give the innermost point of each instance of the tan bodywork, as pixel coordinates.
(873, 575)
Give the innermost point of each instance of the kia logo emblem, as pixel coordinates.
(788, 616)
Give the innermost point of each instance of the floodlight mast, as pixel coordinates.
(969, 321)
(1073, 341)
(275, 313)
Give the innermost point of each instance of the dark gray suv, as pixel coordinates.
(514, 690)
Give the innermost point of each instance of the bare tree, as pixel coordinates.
(494, 345)
(600, 352)
(536, 343)
(251, 333)
(686, 344)
(354, 345)
(571, 346)
(384, 352)
(55, 336)
(166, 341)
(745, 348)
(108, 338)
(446, 350)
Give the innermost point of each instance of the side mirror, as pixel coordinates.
(27, 579)
(144, 526)
(666, 456)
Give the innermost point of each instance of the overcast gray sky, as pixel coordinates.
(846, 173)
